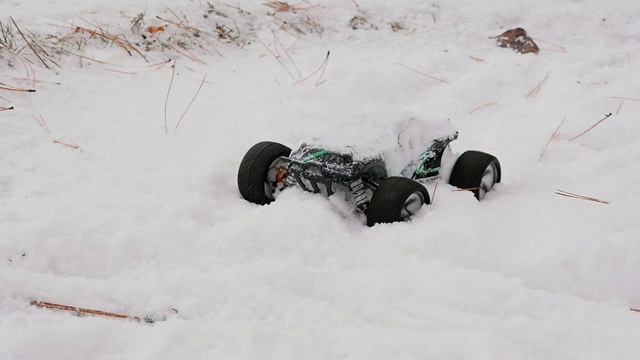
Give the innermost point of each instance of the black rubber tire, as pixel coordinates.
(389, 199)
(470, 168)
(253, 170)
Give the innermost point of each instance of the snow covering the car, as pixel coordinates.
(397, 139)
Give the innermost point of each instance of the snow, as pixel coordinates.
(101, 209)
(398, 137)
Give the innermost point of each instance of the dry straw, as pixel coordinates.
(82, 312)
(580, 197)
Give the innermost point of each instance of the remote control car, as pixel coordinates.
(377, 163)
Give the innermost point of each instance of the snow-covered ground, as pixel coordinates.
(101, 208)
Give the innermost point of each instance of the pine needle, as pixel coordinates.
(423, 74)
(82, 311)
(29, 44)
(321, 68)
(166, 101)
(557, 47)
(481, 107)
(534, 92)
(72, 146)
(275, 57)
(42, 123)
(555, 134)
(580, 197)
(589, 129)
(11, 88)
(625, 98)
(191, 102)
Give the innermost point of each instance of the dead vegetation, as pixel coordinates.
(517, 40)
(296, 18)
(593, 126)
(359, 22)
(78, 311)
(580, 197)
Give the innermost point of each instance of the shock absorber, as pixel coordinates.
(289, 180)
(359, 194)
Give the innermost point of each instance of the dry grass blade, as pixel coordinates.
(421, 73)
(589, 129)
(580, 197)
(555, 134)
(166, 101)
(194, 30)
(186, 53)
(11, 88)
(635, 310)
(83, 311)
(534, 92)
(29, 44)
(108, 37)
(282, 6)
(191, 102)
(3, 108)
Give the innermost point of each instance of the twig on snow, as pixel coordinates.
(619, 107)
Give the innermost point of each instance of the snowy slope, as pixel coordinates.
(101, 209)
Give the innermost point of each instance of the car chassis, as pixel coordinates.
(384, 180)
